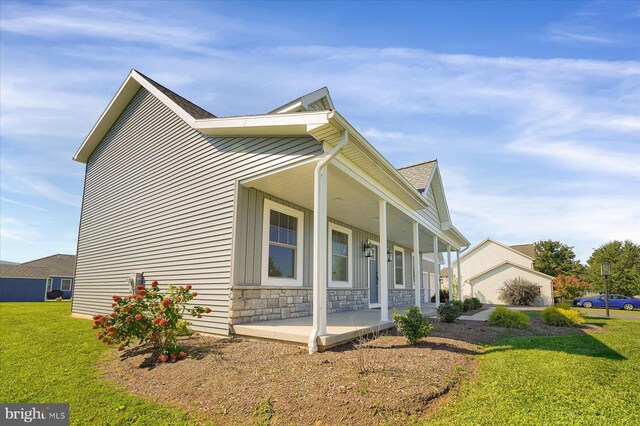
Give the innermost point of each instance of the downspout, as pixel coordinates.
(320, 218)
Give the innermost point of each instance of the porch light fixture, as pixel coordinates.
(367, 248)
(389, 256)
(605, 271)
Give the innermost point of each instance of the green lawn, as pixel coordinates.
(575, 379)
(47, 356)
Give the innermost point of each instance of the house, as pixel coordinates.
(485, 267)
(288, 217)
(31, 281)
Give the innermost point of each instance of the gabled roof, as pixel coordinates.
(526, 249)
(515, 265)
(57, 265)
(474, 248)
(419, 175)
(22, 271)
(318, 100)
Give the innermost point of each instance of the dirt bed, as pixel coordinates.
(241, 381)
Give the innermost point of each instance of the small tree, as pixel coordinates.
(149, 316)
(519, 291)
(554, 258)
(567, 288)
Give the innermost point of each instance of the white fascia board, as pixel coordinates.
(305, 101)
(379, 158)
(267, 124)
(515, 265)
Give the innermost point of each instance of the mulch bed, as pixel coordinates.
(380, 381)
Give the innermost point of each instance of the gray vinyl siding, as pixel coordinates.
(248, 258)
(431, 212)
(159, 199)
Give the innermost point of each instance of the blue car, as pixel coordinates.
(616, 301)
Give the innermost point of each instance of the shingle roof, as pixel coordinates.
(526, 249)
(58, 265)
(418, 174)
(194, 110)
(23, 271)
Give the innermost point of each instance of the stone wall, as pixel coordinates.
(263, 303)
(401, 297)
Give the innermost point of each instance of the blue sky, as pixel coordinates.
(532, 108)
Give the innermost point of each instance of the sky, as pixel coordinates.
(531, 108)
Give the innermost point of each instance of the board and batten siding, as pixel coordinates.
(159, 199)
(248, 257)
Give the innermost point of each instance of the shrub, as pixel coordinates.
(568, 287)
(444, 295)
(503, 317)
(563, 305)
(518, 291)
(413, 325)
(562, 317)
(450, 311)
(471, 304)
(149, 316)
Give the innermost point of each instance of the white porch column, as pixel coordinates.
(384, 277)
(436, 268)
(450, 274)
(417, 263)
(459, 275)
(428, 288)
(320, 254)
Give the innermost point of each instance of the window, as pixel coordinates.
(65, 284)
(538, 291)
(339, 256)
(398, 266)
(282, 245)
(49, 284)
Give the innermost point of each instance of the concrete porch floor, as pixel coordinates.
(341, 327)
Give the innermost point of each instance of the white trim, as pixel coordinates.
(474, 248)
(515, 265)
(275, 281)
(403, 284)
(62, 280)
(349, 233)
(49, 284)
(295, 123)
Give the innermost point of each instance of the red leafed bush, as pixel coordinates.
(150, 316)
(569, 287)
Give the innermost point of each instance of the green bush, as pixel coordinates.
(519, 291)
(444, 295)
(450, 310)
(563, 305)
(559, 317)
(413, 325)
(503, 317)
(471, 304)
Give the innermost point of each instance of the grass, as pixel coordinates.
(49, 357)
(572, 379)
(621, 311)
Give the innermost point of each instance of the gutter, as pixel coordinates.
(320, 271)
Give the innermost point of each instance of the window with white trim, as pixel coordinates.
(49, 284)
(538, 291)
(398, 266)
(340, 269)
(282, 245)
(65, 284)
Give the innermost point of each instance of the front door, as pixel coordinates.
(374, 286)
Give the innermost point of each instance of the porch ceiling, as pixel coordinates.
(347, 201)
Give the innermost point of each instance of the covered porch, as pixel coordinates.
(342, 327)
(353, 191)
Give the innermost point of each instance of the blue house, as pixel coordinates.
(34, 281)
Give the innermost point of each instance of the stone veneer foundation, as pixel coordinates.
(263, 303)
(401, 297)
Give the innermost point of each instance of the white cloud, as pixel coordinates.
(18, 203)
(15, 229)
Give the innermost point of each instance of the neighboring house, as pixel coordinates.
(485, 267)
(30, 281)
(268, 216)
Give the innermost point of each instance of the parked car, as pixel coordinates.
(616, 301)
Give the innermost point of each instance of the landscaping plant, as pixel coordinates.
(471, 304)
(562, 317)
(413, 325)
(519, 291)
(568, 288)
(503, 317)
(150, 316)
(450, 310)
